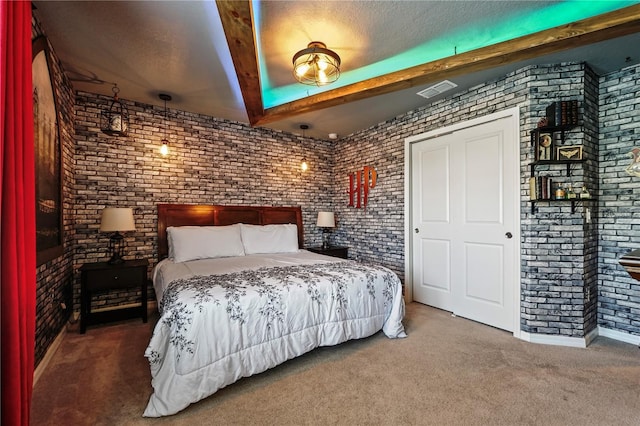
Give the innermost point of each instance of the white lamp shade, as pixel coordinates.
(117, 219)
(326, 220)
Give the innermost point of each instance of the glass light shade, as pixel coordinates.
(304, 165)
(326, 220)
(115, 119)
(316, 65)
(164, 149)
(116, 219)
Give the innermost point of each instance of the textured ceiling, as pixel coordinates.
(179, 48)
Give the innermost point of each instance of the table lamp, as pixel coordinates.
(116, 220)
(326, 220)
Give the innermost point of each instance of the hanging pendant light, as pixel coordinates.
(316, 65)
(115, 119)
(304, 166)
(164, 148)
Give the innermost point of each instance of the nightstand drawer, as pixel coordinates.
(114, 279)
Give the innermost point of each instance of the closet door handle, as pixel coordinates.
(509, 235)
(417, 231)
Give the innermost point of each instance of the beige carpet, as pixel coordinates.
(449, 371)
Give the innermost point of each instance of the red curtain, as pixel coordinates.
(17, 220)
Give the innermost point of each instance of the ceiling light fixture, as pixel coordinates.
(164, 149)
(115, 120)
(316, 65)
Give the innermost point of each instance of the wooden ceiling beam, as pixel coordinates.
(237, 21)
(592, 30)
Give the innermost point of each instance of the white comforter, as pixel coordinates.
(223, 319)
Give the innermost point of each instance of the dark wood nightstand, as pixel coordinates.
(102, 276)
(335, 251)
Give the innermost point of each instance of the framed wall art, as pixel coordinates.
(545, 147)
(570, 152)
(47, 153)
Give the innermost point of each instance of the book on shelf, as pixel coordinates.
(562, 113)
(540, 188)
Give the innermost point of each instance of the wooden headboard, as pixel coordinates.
(208, 215)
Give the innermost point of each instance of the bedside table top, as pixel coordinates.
(106, 265)
(334, 251)
(319, 248)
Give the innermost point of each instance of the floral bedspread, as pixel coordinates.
(216, 329)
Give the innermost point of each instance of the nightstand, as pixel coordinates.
(334, 251)
(100, 277)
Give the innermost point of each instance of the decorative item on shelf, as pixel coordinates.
(570, 152)
(116, 220)
(545, 146)
(316, 65)
(115, 119)
(543, 122)
(164, 148)
(560, 192)
(569, 193)
(304, 165)
(633, 169)
(584, 194)
(326, 220)
(361, 188)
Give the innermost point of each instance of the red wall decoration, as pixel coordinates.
(359, 184)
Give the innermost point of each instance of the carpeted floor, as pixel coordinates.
(449, 371)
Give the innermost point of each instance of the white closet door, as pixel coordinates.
(463, 220)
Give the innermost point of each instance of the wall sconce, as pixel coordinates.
(116, 220)
(304, 166)
(325, 221)
(115, 120)
(164, 149)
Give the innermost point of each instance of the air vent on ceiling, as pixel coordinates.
(437, 89)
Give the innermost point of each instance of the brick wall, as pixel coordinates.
(558, 260)
(591, 144)
(211, 161)
(619, 198)
(377, 233)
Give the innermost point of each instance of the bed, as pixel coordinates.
(238, 296)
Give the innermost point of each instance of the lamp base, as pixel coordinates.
(115, 259)
(116, 243)
(325, 239)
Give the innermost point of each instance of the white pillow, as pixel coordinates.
(259, 239)
(204, 242)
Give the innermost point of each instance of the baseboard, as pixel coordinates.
(591, 336)
(619, 335)
(548, 339)
(48, 356)
(579, 342)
